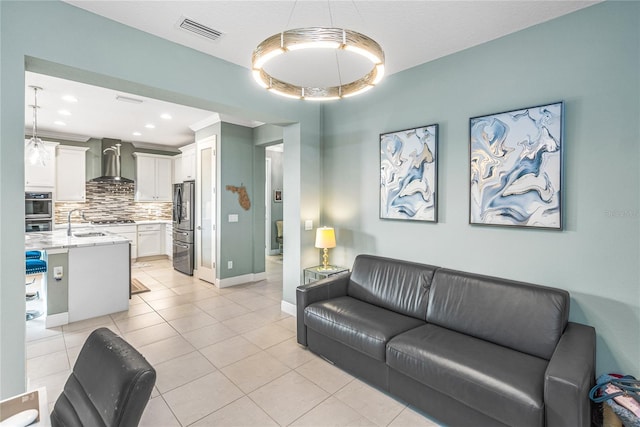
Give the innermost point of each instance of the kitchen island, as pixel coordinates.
(88, 273)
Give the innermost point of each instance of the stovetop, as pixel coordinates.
(113, 221)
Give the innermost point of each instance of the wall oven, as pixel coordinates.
(38, 211)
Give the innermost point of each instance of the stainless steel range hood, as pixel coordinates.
(111, 166)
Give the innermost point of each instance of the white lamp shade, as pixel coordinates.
(325, 238)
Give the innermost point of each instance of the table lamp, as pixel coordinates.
(325, 239)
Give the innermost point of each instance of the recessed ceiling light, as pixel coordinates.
(59, 123)
(166, 116)
(64, 112)
(137, 134)
(70, 98)
(150, 126)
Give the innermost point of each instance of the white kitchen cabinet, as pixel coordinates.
(188, 162)
(70, 173)
(177, 169)
(153, 177)
(150, 240)
(99, 280)
(38, 176)
(168, 240)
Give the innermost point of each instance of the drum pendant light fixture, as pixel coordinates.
(318, 38)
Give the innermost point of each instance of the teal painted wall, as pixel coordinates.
(236, 151)
(71, 43)
(590, 59)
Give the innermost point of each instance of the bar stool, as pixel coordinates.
(34, 265)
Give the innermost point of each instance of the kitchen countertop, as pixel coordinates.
(58, 239)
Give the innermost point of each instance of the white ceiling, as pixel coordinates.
(410, 33)
(98, 114)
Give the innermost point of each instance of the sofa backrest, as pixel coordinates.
(396, 285)
(521, 316)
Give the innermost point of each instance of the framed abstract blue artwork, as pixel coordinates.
(409, 174)
(516, 168)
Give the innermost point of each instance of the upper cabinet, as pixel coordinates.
(188, 162)
(177, 169)
(153, 177)
(38, 176)
(71, 164)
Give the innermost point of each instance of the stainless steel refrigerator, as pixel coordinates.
(183, 225)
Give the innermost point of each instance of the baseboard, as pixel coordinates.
(288, 308)
(273, 252)
(240, 280)
(58, 319)
(151, 258)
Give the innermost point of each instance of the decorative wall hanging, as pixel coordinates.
(409, 174)
(243, 197)
(516, 167)
(277, 196)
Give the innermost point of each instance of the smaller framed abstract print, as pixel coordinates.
(409, 174)
(516, 168)
(277, 196)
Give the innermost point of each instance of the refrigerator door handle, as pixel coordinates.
(177, 205)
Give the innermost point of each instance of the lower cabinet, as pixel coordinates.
(168, 240)
(150, 240)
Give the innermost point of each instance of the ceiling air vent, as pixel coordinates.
(202, 30)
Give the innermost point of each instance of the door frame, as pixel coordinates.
(206, 274)
(267, 202)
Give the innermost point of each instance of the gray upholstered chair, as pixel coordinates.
(109, 386)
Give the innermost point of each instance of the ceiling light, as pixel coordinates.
(150, 126)
(70, 98)
(137, 134)
(166, 116)
(35, 149)
(318, 38)
(64, 112)
(59, 123)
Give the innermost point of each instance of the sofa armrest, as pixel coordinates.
(331, 287)
(569, 377)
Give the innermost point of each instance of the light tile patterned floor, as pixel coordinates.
(224, 357)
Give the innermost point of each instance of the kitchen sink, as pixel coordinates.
(89, 234)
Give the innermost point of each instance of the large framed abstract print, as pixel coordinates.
(516, 168)
(409, 174)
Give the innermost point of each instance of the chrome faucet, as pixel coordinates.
(69, 219)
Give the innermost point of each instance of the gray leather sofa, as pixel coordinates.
(468, 350)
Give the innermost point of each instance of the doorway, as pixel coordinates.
(274, 238)
(206, 210)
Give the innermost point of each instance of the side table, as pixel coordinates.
(312, 274)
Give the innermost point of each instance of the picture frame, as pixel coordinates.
(515, 167)
(409, 174)
(277, 196)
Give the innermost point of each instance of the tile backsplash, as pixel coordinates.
(108, 201)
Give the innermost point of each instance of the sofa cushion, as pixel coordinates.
(399, 286)
(521, 316)
(361, 326)
(503, 383)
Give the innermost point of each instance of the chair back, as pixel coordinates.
(109, 386)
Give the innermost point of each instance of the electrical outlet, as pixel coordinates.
(229, 265)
